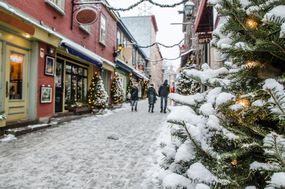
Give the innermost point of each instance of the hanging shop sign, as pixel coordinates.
(86, 15)
(204, 38)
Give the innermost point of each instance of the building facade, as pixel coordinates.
(48, 59)
(198, 25)
(144, 29)
(131, 60)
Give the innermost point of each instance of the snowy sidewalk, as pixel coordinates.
(112, 151)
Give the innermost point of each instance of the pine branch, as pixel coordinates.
(276, 101)
(183, 124)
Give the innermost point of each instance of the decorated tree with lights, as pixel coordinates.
(184, 84)
(130, 84)
(97, 95)
(145, 88)
(232, 135)
(116, 90)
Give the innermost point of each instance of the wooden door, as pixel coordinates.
(16, 83)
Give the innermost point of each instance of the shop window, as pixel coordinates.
(103, 33)
(75, 85)
(59, 5)
(16, 76)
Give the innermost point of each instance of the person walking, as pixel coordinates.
(172, 88)
(134, 97)
(151, 95)
(163, 93)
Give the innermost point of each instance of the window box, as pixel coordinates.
(58, 5)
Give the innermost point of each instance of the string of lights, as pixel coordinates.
(151, 2)
(169, 59)
(133, 5)
(158, 43)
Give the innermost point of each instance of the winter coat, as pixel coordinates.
(172, 89)
(163, 90)
(134, 93)
(151, 95)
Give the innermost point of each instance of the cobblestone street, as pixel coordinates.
(110, 151)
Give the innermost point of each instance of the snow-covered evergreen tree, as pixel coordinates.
(116, 90)
(232, 135)
(97, 95)
(130, 85)
(184, 84)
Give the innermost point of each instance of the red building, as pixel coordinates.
(62, 54)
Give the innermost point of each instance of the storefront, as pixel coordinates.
(74, 70)
(108, 70)
(140, 78)
(124, 72)
(71, 82)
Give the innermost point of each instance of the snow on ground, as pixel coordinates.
(81, 154)
(8, 138)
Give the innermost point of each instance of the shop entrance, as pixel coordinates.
(16, 83)
(59, 85)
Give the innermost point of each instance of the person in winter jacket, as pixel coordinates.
(151, 95)
(134, 97)
(163, 93)
(172, 89)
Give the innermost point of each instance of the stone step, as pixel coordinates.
(24, 130)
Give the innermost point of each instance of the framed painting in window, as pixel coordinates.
(49, 66)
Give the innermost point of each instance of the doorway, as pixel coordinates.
(59, 85)
(16, 83)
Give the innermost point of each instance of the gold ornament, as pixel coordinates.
(252, 64)
(243, 102)
(251, 23)
(234, 162)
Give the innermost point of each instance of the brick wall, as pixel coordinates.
(44, 110)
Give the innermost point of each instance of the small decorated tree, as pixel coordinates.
(130, 84)
(145, 87)
(97, 95)
(184, 84)
(116, 91)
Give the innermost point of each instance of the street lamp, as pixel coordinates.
(118, 50)
(188, 9)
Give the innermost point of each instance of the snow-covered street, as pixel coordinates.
(115, 150)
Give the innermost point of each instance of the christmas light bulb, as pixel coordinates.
(251, 23)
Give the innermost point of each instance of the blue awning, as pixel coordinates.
(81, 52)
(123, 66)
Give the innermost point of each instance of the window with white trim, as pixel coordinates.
(57, 4)
(118, 41)
(124, 42)
(103, 33)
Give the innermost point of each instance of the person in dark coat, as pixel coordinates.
(163, 93)
(151, 95)
(134, 97)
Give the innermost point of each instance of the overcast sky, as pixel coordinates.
(167, 34)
